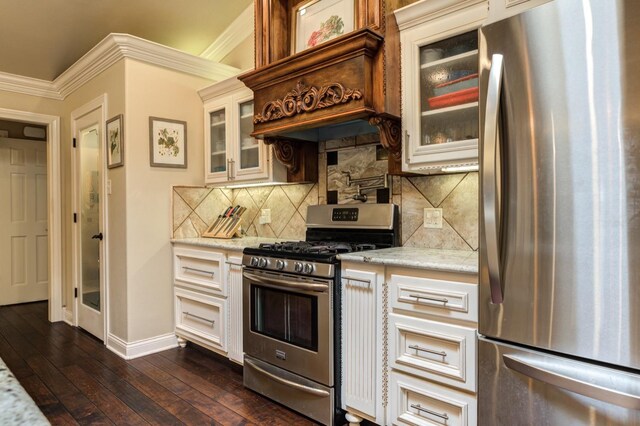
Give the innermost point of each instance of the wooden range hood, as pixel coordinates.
(346, 86)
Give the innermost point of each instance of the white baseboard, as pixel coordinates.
(68, 316)
(130, 350)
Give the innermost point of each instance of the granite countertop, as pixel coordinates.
(16, 406)
(422, 258)
(237, 244)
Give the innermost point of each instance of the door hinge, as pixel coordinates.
(75, 218)
(75, 292)
(74, 142)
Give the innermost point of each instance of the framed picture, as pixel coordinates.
(167, 142)
(115, 142)
(321, 20)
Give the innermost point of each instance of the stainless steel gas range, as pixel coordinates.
(291, 306)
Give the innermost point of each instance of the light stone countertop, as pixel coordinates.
(237, 244)
(421, 258)
(16, 406)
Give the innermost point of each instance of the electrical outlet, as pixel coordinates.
(265, 216)
(433, 218)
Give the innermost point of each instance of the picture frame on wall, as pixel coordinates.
(318, 21)
(115, 142)
(167, 143)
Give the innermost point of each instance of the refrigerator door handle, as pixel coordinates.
(489, 176)
(542, 370)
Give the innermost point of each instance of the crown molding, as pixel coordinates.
(427, 10)
(110, 50)
(231, 37)
(28, 86)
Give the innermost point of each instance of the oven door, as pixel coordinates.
(288, 322)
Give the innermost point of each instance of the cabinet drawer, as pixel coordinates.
(419, 402)
(201, 318)
(200, 268)
(433, 350)
(446, 299)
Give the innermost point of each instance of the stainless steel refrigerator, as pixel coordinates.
(560, 216)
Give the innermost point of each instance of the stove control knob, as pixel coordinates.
(297, 267)
(254, 261)
(308, 268)
(262, 262)
(279, 264)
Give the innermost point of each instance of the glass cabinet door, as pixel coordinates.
(218, 160)
(449, 90)
(249, 149)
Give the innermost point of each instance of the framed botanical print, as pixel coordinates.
(319, 21)
(167, 142)
(115, 142)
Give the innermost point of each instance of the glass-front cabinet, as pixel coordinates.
(440, 87)
(232, 155)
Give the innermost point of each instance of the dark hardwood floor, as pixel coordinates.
(74, 379)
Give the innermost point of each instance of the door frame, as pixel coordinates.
(101, 102)
(54, 207)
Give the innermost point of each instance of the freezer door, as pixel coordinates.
(560, 179)
(524, 387)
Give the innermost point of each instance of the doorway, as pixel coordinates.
(53, 240)
(89, 214)
(24, 248)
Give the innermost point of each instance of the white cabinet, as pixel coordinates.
(232, 156)
(363, 340)
(440, 83)
(409, 351)
(234, 283)
(501, 9)
(208, 298)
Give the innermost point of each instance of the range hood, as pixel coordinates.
(344, 87)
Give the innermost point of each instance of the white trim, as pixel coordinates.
(221, 88)
(428, 10)
(68, 316)
(54, 203)
(231, 37)
(110, 50)
(130, 350)
(101, 103)
(28, 86)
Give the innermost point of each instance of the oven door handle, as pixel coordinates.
(285, 283)
(298, 386)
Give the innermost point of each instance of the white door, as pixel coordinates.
(89, 247)
(24, 262)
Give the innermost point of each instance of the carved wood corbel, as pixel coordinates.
(299, 157)
(390, 129)
(285, 153)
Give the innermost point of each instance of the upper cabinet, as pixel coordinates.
(440, 83)
(501, 9)
(232, 155)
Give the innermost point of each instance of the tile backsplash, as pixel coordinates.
(195, 208)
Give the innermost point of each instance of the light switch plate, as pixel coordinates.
(433, 218)
(265, 216)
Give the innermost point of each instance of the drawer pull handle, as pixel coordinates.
(417, 348)
(199, 271)
(233, 263)
(200, 318)
(442, 300)
(419, 408)
(360, 280)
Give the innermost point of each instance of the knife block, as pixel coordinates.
(227, 227)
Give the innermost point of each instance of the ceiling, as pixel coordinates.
(42, 38)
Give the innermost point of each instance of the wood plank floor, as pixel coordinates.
(74, 379)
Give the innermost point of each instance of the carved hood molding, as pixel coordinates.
(306, 99)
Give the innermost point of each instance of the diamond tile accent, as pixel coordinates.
(445, 238)
(181, 210)
(413, 205)
(186, 230)
(310, 200)
(243, 199)
(295, 229)
(436, 188)
(297, 193)
(192, 195)
(213, 205)
(280, 203)
(260, 194)
(460, 209)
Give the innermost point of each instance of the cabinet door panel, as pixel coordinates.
(234, 285)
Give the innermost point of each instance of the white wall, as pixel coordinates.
(157, 92)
